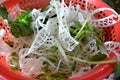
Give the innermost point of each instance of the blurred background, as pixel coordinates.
(115, 4)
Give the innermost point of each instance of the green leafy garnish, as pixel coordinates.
(98, 57)
(15, 68)
(82, 28)
(85, 61)
(73, 66)
(54, 48)
(13, 54)
(13, 62)
(52, 77)
(77, 24)
(48, 75)
(22, 25)
(117, 70)
(3, 12)
(101, 45)
(82, 32)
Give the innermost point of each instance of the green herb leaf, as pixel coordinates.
(22, 25)
(81, 29)
(73, 67)
(117, 70)
(13, 61)
(3, 12)
(101, 45)
(98, 57)
(15, 68)
(54, 49)
(13, 54)
(78, 24)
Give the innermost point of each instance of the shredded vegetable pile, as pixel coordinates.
(57, 43)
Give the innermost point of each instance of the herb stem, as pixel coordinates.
(21, 10)
(79, 33)
(86, 61)
(92, 62)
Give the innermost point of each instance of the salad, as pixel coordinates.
(60, 42)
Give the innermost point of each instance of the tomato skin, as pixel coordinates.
(99, 72)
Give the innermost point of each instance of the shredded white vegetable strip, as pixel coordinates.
(67, 41)
(57, 68)
(28, 69)
(61, 50)
(25, 64)
(40, 39)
